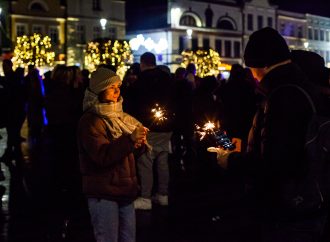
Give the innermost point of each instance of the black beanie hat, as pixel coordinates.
(265, 47)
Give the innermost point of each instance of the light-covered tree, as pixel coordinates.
(207, 62)
(111, 52)
(33, 50)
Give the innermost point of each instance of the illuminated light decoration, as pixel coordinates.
(148, 43)
(207, 62)
(111, 52)
(33, 50)
(306, 44)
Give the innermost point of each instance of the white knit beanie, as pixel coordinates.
(101, 79)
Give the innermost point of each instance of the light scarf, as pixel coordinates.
(118, 122)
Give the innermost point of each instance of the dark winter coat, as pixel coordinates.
(276, 140)
(107, 166)
(152, 87)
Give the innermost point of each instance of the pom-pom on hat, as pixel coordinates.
(101, 79)
(265, 47)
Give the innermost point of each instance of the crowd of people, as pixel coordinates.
(112, 139)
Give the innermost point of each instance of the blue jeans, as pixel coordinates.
(111, 221)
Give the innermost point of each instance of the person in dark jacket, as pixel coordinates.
(107, 138)
(152, 91)
(15, 115)
(275, 159)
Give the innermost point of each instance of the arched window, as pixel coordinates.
(188, 21)
(226, 23)
(190, 18)
(38, 5)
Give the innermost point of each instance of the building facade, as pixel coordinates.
(223, 25)
(90, 20)
(70, 24)
(44, 17)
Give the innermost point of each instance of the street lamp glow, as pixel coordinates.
(189, 33)
(306, 44)
(103, 22)
(0, 11)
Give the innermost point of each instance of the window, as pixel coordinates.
(96, 5)
(270, 22)
(260, 22)
(300, 31)
(327, 36)
(250, 22)
(237, 49)
(38, 29)
(282, 29)
(321, 35)
(37, 7)
(208, 17)
(206, 43)
(227, 48)
(292, 30)
(316, 34)
(194, 43)
(188, 20)
(81, 34)
(112, 33)
(327, 58)
(182, 44)
(310, 33)
(53, 34)
(96, 32)
(225, 24)
(218, 46)
(21, 29)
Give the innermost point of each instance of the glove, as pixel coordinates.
(222, 155)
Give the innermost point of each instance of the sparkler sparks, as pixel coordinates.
(159, 113)
(208, 128)
(216, 135)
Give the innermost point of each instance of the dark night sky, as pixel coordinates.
(319, 7)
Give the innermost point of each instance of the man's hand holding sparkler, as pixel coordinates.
(139, 136)
(222, 155)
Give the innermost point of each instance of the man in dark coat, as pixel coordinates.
(153, 87)
(275, 158)
(15, 115)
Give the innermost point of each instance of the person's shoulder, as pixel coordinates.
(90, 119)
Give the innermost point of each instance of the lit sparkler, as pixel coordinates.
(208, 128)
(219, 136)
(159, 113)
